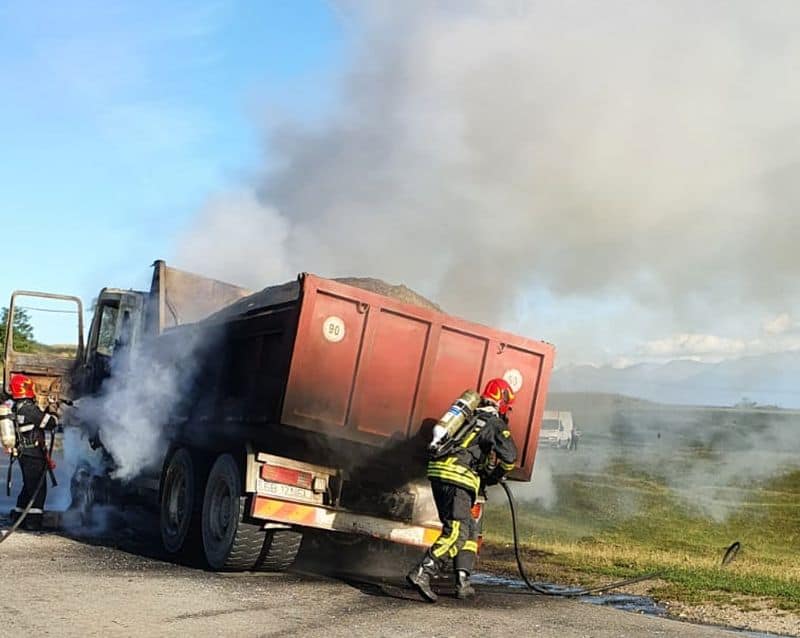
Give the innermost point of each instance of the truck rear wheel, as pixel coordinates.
(230, 543)
(279, 550)
(177, 501)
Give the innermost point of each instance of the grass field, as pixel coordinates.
(614, 511)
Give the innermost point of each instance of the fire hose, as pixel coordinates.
(48, 469)
(556, 590)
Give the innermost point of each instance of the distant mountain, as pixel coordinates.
(770, 379)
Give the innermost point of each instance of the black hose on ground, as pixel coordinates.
(555, 590)
(4, 534)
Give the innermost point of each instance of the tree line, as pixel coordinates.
(24, 340)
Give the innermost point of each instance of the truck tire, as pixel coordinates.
(230, 544)
(82, 495)
(279, 550)
(178, 493)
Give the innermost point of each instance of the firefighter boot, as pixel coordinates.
(464, 588)
(420, 578)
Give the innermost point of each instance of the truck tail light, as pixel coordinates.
(287, 476)
(477, 511)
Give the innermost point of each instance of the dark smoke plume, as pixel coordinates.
(640, 155)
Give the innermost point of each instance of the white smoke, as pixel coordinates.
(141, 401)
(542, 490)
(76, 451)
(711, 460)
(233, 226)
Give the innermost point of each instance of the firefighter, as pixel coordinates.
(31, 423)
(483, 457)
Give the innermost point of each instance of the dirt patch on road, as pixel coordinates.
(754, 614)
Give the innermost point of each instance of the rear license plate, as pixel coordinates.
(285, 491)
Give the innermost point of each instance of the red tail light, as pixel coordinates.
(287, 476)
(476, 511)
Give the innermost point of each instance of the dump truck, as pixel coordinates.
(306, 405)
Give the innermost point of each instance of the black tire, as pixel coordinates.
(279, 550)
(229, 543)
(178, 494)
(82, 494)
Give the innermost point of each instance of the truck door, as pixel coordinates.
(43, 338)
(116, 326)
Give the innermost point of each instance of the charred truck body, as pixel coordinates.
(304, 406)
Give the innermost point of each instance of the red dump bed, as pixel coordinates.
(367, 367)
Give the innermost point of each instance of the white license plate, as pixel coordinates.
(285, 491)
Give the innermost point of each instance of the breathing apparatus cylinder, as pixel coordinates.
(8, 433)
(448, 427)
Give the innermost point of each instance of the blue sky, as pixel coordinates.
(118, 119)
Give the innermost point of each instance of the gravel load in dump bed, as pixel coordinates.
(399, 292)
(290, 291)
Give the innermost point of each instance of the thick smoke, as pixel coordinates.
(640, 154)
(142, 399)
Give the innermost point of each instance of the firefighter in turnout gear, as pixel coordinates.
(31, 452)
(482, 456)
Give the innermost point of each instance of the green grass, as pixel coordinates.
(626, 522)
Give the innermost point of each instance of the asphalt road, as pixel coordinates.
(52, 585)
(118, 582)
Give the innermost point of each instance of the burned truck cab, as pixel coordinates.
(117, 325)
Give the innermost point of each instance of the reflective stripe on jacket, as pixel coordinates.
(490, 433)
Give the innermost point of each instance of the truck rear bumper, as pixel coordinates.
(272, 510)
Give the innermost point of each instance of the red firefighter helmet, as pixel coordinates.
(22, 387)
(499, 392)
